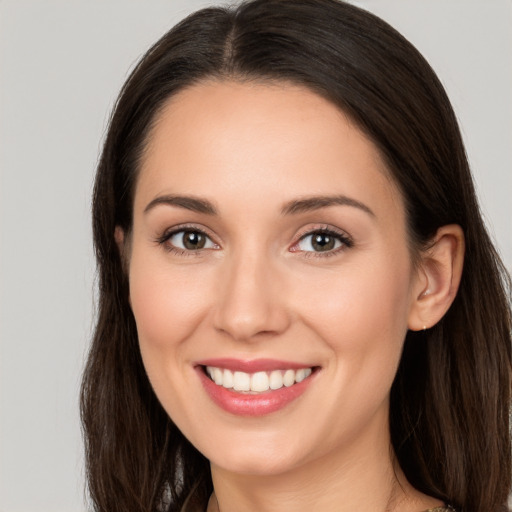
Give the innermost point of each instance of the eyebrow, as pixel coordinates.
(296, 206)
(187, 202)
(308, 204)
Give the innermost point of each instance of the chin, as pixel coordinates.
(268, 456)
(255, 465)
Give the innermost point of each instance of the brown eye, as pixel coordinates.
(190, 240)
(193, 240)
(322, 241)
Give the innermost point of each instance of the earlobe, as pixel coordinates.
(123, 246)
(119, 238)
(439, 275)
(122, 242)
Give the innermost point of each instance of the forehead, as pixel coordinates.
(227, 139)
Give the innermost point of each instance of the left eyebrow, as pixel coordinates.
(192, 203)
(308, 204)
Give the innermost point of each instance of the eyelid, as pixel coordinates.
(170, 232)
(345, 239)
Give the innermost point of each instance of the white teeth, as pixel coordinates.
(241, 381)
(217, 376)
(289, 378)
(302, 374)
(228, 380)
(276, 380)
(257, 382)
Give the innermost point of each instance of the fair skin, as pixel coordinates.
(266, 227)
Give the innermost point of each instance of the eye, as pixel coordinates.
(322, 241)
(189, 240)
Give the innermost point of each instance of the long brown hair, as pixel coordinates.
(449, 416)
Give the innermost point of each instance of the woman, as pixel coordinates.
(300, 308)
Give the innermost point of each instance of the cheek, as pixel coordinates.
(167, 308)
(361, 316)
(167, 311)
(361, 311)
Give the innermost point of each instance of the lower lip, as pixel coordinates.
(243, 404)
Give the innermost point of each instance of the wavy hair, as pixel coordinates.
(450, 401)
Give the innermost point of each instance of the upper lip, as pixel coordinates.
(253, 365)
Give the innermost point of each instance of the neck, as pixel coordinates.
(395, 496)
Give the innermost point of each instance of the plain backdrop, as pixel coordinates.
(62, 63)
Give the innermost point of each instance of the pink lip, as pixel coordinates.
(247, 404)
(256, 365)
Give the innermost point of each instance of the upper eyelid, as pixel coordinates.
(345, 239)
(163, 240)
(323, 229)
(167, 233)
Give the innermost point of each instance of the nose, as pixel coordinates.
(251, 303)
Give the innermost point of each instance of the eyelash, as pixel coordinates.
(345, 241)
(167, 235)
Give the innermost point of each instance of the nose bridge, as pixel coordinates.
(249, 302)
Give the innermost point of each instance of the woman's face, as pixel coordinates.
(269, 250)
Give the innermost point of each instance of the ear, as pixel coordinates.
(119, 238)
(122, 245)
(438, 278)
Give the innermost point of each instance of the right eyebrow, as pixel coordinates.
(192, 203)
(307, 204)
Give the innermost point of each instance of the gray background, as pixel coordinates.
(62, 63)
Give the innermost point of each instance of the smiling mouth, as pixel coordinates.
(258, 382)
